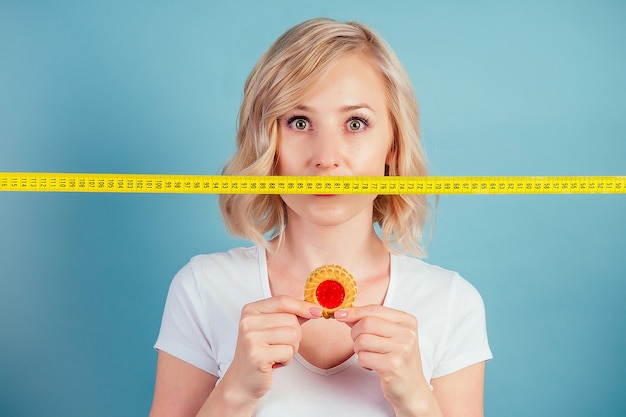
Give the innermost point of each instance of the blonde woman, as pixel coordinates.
(237, 338)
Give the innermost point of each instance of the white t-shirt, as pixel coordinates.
(204, 304)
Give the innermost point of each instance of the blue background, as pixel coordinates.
(137, 86)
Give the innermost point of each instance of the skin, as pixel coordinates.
(342, 129)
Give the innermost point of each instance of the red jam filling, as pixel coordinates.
(330, 294)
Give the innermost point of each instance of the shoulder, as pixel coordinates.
(217, 285)
(210, 271)
(416, 272)
(432, 284)
(450, 312)
(229, 261)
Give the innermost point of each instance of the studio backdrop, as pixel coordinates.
(136, 86)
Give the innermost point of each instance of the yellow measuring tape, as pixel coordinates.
(223, 184)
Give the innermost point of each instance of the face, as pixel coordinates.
(343, 128)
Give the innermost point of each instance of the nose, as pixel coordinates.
(327, 149)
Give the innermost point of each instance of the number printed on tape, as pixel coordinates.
(218, 184)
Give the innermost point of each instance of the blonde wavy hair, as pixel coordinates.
(283, 77)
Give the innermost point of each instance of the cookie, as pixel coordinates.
(331, 287)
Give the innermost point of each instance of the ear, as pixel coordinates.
(391, 161)
(274, 140)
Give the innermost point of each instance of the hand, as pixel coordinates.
(269, 336)
(386, 341)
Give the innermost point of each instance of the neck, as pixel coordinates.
(353, 245)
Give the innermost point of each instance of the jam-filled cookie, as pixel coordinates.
(331, 287)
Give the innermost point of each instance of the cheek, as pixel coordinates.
(374, 160)
(286, 158)
(285, 165)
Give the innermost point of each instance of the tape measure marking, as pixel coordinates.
(222, 184)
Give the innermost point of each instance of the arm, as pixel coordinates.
(461, 392)
(386, 341)
(180, 388)
(268, 337)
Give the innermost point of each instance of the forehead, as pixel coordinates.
(353, 79)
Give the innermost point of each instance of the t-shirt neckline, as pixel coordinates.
(387, 302)
(267, 292)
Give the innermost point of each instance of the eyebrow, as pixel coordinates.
(344, 109)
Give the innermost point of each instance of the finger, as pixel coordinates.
(387, 357)
(382, 328)
(367, 342)
(264, 330)
(283, 336)
(271, 346)
(372, 361)
(271, 357)
(255, 322)
(279, 355)
(285, 304)
(384, 346)
(353, 315)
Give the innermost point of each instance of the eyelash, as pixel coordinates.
(358, 118)
(294, 118)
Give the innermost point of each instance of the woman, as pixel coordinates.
(237, 338)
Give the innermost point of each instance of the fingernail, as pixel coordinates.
(341, 314)
(315, 311)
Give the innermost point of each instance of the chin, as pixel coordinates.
(332, 216)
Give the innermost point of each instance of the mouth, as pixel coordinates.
(324, 195)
